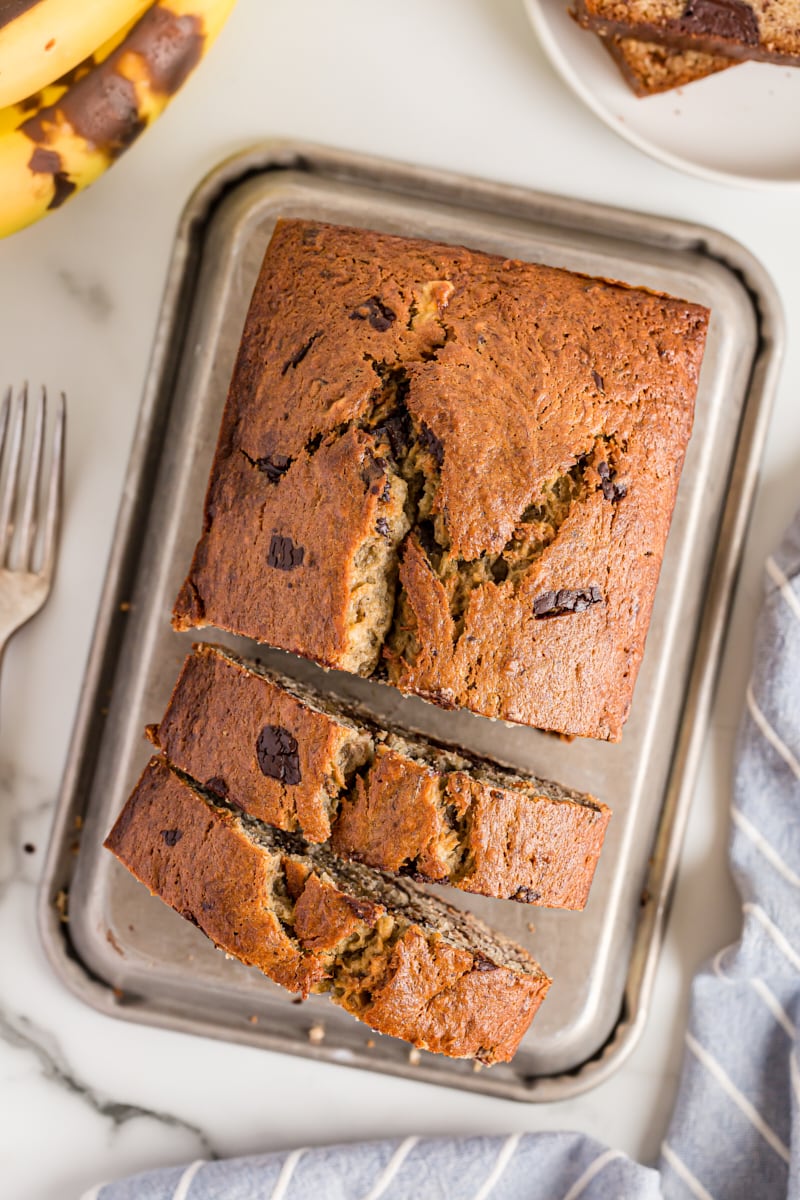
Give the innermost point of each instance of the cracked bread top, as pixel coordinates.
(503, 437)
(768, 30)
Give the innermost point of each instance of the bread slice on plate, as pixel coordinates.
(650, 68)
(766, 30)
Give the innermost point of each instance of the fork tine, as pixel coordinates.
(52, 516)
(4, 419)
(27, 521)
(9, 490)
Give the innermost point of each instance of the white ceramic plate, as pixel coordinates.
(740, 126)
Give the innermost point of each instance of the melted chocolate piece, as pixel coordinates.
(482, 963)
(432, 443)
(566, 600)
(172, 836)
(397, 431)
(276, 751)
(274, 466)
(732, 19)
(379, 315)
(382, 526)
(300, 354)
(373, 471)
(283, 554)
(218, 786)
(526, 895)
(611, 491)
(599, 382)
(364, 909)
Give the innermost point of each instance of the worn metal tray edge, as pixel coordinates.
(476, 194)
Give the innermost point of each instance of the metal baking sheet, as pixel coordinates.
(124, 951)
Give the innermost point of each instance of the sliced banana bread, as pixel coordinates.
(287, 756)
(768, 30)
(405, 963)
(649, 68)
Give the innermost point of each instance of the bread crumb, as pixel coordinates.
(531, 927)
(414, 1056)
(316, 1034)
(253, 1019)
(112, 941)
(477, 1066)
(370, 1043)
(62, 906)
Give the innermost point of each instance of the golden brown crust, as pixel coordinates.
(216, 720)
(765, 30)
(426, 816)
(266, 554)
(436, 996)
(393, 818)
(539, 852)
(650, 68)
(196, 859)
(525, 407)
(399, 976)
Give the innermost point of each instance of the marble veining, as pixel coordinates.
(91, 295)
(21, 1033)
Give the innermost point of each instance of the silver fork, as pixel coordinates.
(30, 508)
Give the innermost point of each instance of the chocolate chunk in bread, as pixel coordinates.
(766, 30)
(305, 764)
(445, 415)
(405, 963)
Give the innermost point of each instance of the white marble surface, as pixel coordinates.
(460, 84)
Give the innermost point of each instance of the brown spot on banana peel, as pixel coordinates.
(170, 46)
(101, 107)
(48, 162)
(11, 9)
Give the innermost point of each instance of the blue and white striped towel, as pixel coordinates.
(735, 1132)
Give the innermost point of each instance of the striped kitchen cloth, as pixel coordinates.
(735, 1132)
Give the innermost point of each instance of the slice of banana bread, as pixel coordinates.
(768, 30)
(405, 963)
(503, 438)
(287, 756)
(650, 68)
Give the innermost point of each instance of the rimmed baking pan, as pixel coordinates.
(125, 952)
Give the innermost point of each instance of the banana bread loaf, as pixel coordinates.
(768, 30)
(502, 438)
(650, 68)
(405, 963)
(287, 756)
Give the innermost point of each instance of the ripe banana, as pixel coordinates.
(41, 41)
(60, 141)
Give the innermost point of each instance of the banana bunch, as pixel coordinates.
(117, 64)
